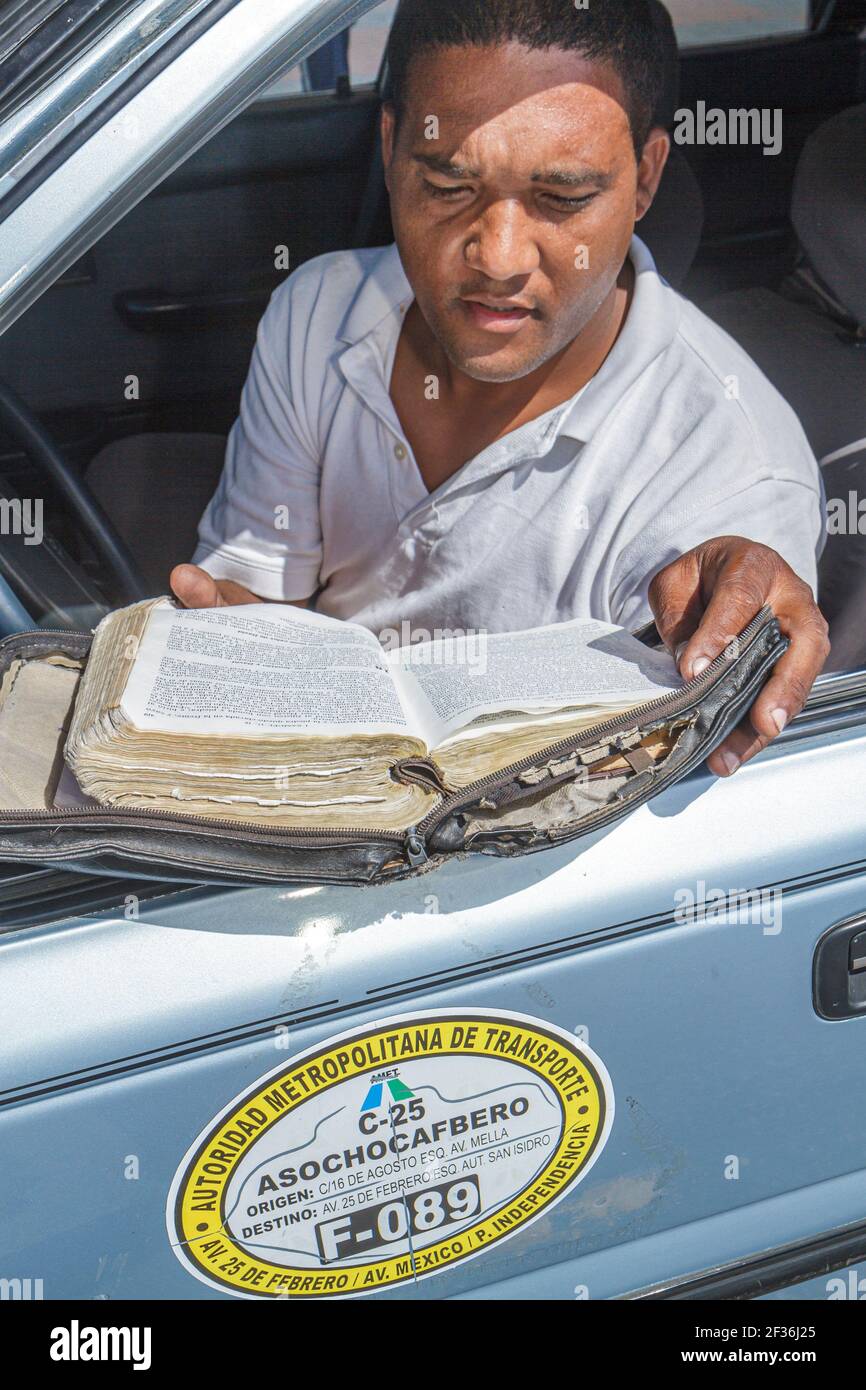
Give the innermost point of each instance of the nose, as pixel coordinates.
(501, 244)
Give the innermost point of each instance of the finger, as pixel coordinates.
(740, 745)
(782, 697)
(675, 600)
(735, 600)
(194, 587)
(232, 595)
(786, 691)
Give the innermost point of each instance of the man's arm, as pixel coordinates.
(195, 588)
(706, 597)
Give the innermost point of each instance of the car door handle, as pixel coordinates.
(152, 311)
(839, 971)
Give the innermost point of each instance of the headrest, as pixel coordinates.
(673, 225)
(829, 207)
(669, 100)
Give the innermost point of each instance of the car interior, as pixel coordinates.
(119, 386)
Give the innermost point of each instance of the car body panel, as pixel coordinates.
(129, 1036)
(838, 1286)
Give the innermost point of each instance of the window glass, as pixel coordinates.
(723, 21)
(357, 51)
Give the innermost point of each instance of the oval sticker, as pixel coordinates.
(388, 1154)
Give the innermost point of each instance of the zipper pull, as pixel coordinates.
(416, 852)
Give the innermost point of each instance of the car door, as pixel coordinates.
(677, 953)
(698, 968)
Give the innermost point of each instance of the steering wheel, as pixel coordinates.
(19, 421)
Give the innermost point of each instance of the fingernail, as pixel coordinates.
(730, 762)
(779, 718)
(700, 664)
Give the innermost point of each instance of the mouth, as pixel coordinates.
(505, 317)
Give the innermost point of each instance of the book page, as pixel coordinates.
(454, 681)
(260, 669)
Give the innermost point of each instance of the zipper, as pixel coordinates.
(412, 841)
(662, 707)
(137, 814)
(415, 848)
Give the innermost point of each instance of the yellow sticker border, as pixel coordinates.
(188, 1228)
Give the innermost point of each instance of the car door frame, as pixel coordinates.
(65, 199)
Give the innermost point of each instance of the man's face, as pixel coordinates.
(514, 192)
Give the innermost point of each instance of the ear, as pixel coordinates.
(650, 169)
(388, 130)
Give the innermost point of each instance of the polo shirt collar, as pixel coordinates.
(651, 325)
(383, 290)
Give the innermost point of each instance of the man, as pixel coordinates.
(508, 418)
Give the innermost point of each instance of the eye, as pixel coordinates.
(437, 190)
(569, 204)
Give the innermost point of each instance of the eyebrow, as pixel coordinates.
(570, 178)
(440, 165)
(560, 178)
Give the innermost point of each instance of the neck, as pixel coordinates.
(555, 380)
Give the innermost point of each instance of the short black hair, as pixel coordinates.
(624, 33)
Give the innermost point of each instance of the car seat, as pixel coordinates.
(673, 225)
(809, 338)
(155, 488)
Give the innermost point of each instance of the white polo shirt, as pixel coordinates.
(677, 438)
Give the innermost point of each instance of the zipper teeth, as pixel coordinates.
(137, 813)
(662, 704)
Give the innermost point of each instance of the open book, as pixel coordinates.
(286, 717)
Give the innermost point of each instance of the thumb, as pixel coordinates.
(195, 588)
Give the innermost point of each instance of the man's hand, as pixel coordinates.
(704, 599)
(195, 588)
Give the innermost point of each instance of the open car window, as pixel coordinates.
(355, 54)
(698, 24)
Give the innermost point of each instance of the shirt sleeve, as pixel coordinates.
(786, 515)
(262, 528)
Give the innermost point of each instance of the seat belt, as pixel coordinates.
(375, 192)
(369, 212)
